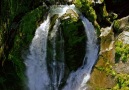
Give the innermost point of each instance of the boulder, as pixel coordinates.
(124, 37)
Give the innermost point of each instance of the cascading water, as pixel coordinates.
(47, 74)
(35, 62)
(56, 65)
(77, 80)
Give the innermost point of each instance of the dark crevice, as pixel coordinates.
(120, 7)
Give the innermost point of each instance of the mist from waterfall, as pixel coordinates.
(45, 74)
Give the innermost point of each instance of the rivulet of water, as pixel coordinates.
(56, 62)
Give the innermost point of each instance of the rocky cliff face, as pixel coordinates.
(112, 65)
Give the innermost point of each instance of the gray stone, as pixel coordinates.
(124, 37)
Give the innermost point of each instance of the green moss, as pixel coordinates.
(104, 11)
(74, 35)
(78, 3)
(23, 38)
(116, 26)
(122, 51)
(85, 6)
(122, 80)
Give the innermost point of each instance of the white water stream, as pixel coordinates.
(36, 63)
(77, 80)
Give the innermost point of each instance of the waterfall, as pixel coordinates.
(45, 68)
(77, 80)
(56, 62)
(35, 62)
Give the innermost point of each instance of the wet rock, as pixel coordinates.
(70, 14)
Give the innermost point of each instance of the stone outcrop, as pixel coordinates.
(113, 60)
(122, 66)
(124, 37)
(121, 24)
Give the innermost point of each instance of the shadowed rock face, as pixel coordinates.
(57, 2)
(118, 6)
(14, 36)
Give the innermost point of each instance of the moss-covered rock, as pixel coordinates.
(86, 7)
(122, 47)
(121, 28)
(122, 55)
(74, 36)
(112, 66)
(12, 14)
(23, 38)
(121, 25)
